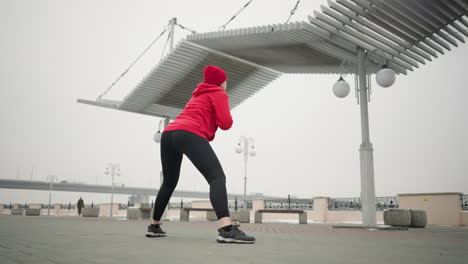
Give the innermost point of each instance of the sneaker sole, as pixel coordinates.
(221, 239)
(151, 234)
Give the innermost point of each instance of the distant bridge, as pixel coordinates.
(93, 188)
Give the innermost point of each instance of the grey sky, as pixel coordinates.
(307, 140)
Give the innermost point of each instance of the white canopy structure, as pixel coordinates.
(403, 34)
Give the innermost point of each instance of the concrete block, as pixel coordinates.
(33, 211)
(397, 217)
(258, 217)
(139, 213)
(145, 212)
(184, 215)
(211, 216)
(241, 216)
(16, 211)
(133, 213)
(418, 218)
(90, 212)
(303, 218)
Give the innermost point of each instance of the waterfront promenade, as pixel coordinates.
(72, 239)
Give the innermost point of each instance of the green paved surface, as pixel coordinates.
(52, 239)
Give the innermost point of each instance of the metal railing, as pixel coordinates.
(464, 202)
(237, 205)
(344, 204)
(355, 204)
(180, 205)
(290, 204)
(92, 205)
(68, 206)
(389, 202)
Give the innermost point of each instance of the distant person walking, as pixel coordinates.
(190, 134)
(80, 205)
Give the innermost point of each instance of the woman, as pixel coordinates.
(189, 134)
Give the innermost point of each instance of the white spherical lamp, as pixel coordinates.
(385, 77)
(157, 137)
(341, 88)
(239, 148)
(252, 152)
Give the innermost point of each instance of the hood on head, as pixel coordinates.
(206, 88)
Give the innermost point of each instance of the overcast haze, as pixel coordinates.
(307, 140)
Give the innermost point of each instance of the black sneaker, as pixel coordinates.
(155, 231)
(234, 236)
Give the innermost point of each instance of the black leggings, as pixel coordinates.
(173, 145)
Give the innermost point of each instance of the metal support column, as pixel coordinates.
(173, 22)
(366, 150)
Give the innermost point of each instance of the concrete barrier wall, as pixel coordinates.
(441, 208)
(349, 216)
(464, 218)
(200, 204)
(66, 212)
(104, 210)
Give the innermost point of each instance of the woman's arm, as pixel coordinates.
(220, 101)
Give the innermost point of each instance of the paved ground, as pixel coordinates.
(52, 239)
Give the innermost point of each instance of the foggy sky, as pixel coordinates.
(307, 140)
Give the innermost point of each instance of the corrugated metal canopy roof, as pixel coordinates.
(406, 33)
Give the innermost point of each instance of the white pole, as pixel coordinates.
(112, 195)
(246, 157)
(173, 22)
(366, 150)
(50, 193)
(50, 196)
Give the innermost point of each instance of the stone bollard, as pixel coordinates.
(184, 215)
(241, 216)
(145, 212)
(211, 216)
(33, 211)
(303, 218)
(133, 213)
(397, 217)
(418, 218)
(258, 217)
(90, 212)
(16, 211)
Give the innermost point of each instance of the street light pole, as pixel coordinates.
(51, 178)
(246, 158)
(246, 142)
(113, 170)
(366, 148)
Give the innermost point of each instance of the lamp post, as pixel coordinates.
(246, 146)
(113, 170)
(51, 178)
(385, 77)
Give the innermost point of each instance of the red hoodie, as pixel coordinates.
(207, 110)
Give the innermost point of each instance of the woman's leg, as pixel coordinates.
(199, 151)
(171, 160)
